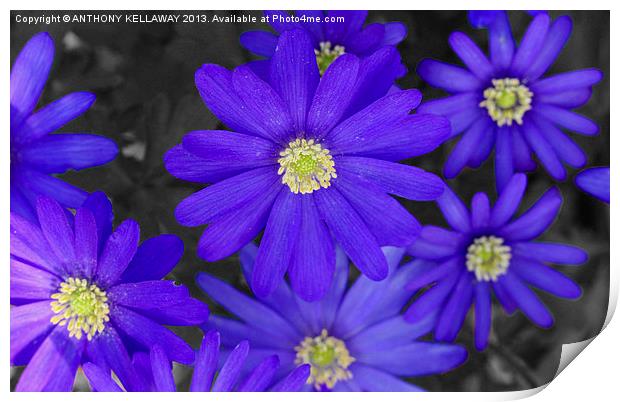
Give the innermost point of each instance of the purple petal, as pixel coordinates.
(556, 38)
(53, 366)
(260, 377)
(239, 151)
(206, 362)
(263, 105)
(416, 359)
(544, 278)
(31, 284)
(99, 379)
(146, 333)
(278, 243)
(509, 200)
(59, 152)
(531, 44)
(374, 380)
(217, 200)
(86, 242)
(162, 370)
(504, 163)
(551, 252)
(454, 211)
(253, 312)
(294, 381)
(536, 220)
(41, 184)
(53, 116)
(447, 76)
(29, 74)
(482, 314)
(565, 148)
(431, 301)
(462, 151)
(563, 82)
(480, 210)
(471, 55)
(294, 74)
(30, 325)
(351, 233)
(28, 244)
(333, 95)
(230, 371)
(186, 166)
(154, 259)
(527, 300)
(238, 227)
(567, 119)
(402, 180)
(595, 181)
(56, 229)
(390, 222)
(395, 32)
(543, 150)
(118, 252)
(456, 308)
(148, 294)
(262, 43)
(313, 263)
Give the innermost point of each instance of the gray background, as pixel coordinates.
(143, 75)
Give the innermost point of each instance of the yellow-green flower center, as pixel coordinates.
(507, 100)
(326, 55)
(305, 166)
(488, 258)
(81, 306)
(328, 357)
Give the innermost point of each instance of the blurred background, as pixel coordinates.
(143, 76)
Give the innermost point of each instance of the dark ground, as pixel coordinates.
(143, 75)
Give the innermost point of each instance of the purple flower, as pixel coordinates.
(157, 369)
(297, 167)
(487, 251)
(504, 102)
(81, 293)
(594, 181)
(36, 154)
(332, 34)
(355, 339)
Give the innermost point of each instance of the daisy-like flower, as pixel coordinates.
(333, 33)
(488, 251)
(156, 371)
(294, 165)
(84, 293)
(503, 102)
(354, 339)
(594, 181)
(36, 154)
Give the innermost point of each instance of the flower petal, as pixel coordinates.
(262, 43)
(509, 200)
(527, 300)
(447, 76)
(230, 371)
(206, 362)
(471, 55)
(118, 252)
(351, 233)
(534, 222)
(154, 259)
(30, 325)
(544, 278)
(595, 181)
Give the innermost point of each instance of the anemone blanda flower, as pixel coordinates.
(504, 102)
(487, 251)
(594, 181)
(333, 33)
(156, 371)
(81, 292)
(354, 340)
(36, 154)
(293, 164)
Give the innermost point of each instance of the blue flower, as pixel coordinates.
(84, 293)
(332, 34)
(36, 154)
(487, 251)
(504, 103)
(297, 166)
(354, 339)
(594, 181)
(157, 369)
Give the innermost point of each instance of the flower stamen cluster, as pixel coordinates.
(328, 357)
(306, 166)
(507, 100)
(326, 55)
(488, 258)
(81, 306)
